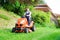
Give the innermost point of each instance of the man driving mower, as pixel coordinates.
(24, 24)
(27, 14)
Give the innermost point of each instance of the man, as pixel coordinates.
(27, 14)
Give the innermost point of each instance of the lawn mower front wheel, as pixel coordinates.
(26, 30)
(14, 29)
(33, 28)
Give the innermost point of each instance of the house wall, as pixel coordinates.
(42, 7)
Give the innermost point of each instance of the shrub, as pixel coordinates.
(14, 7)
(19, 8)
(58, 22)
(40, 17)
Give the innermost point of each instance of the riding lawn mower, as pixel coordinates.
(22, 26)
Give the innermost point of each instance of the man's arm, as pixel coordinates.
(29, 14)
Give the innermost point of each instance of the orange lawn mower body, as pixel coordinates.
(22, 26)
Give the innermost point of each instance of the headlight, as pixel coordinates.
(21, 24)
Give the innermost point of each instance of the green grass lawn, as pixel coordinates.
(7, 18)
(7, 21)
(41, 33)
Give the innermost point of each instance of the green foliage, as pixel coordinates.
(4, 2)
(14, 7)
(18, 6)
(58, 20)
(7, 5)
(41, 2)
(32, 0)
(4, 17)
(40, 17)
(29, 2)
(30, 7)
